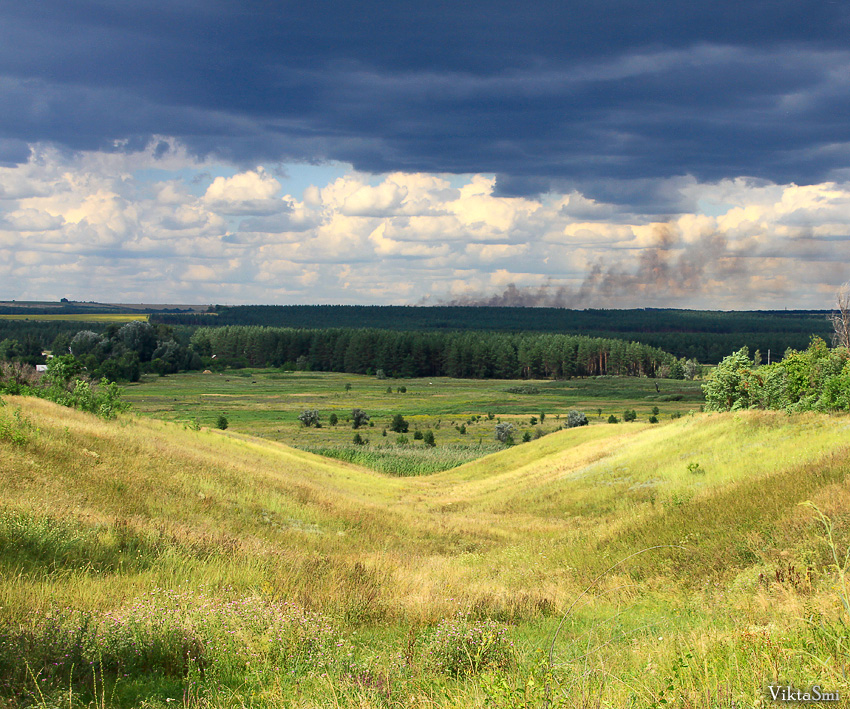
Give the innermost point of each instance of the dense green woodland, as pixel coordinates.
(706, 336)
(430, 354)
(814, 379)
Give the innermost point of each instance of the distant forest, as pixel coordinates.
(707, 336)
(477, 355)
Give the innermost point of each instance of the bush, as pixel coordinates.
(613, 419)
(462, 429)
(309, 417)
(358, 418)
(221, 422)
(333, 419)
(653, 419)
(417, 435)
(629, 415)
(504, 433)
(576, 418)
(460, 647)
(526, 437)
(399, 425)
(401, 440)
(358, 440)
(429, 438)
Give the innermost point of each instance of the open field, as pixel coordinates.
(153, 562)
(78, 317)
(267, 403)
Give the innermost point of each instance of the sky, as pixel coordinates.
(580, 154)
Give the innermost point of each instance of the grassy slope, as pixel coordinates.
(141, 504)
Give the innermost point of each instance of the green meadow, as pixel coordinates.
(460, 413)
(78, 317)
(151, 563)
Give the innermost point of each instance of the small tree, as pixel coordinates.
(841, 318)
(429, 438)
(417, 435)
(309, 417)
(526, 437)
(333, 419)
(576, 418)
(629, 415)
(399, 425)
(504, 433)
(221, 422)
(358, 440)
(613, 419)
(380, 374)
(358, 418)
(462, 429)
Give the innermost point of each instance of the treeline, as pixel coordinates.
(815, 379)
(706, 336)
(430, 354)
(116, 352)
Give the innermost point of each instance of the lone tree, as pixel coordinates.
(505, 433)
(841, 318)
(399, 425)
(358, 418)
(576, 419)
(309, 418)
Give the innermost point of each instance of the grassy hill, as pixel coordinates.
(142, 562)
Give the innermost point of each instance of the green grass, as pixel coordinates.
(142, 562)
(81, 317)
(267, 403)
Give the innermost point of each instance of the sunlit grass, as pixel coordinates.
(102, 518)
(79, 317)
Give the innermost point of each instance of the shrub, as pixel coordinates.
(460, 646)
(523, 390)
(417, 435)
(504, 433)
(221, 422)
(358, 440)
(462, 429)
(576, 418)
(526, 437)
(380, 374)
(309, 417)
(613, 419)
(402, 390)
(655, 411)
(401, 440)
(696, 469)
(429, 438)
(533, 421)
(358, 418)
(399, 425)
(629, 415)
(333, 419)
(653, 419)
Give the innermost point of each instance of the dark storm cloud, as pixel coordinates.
(547, 94)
